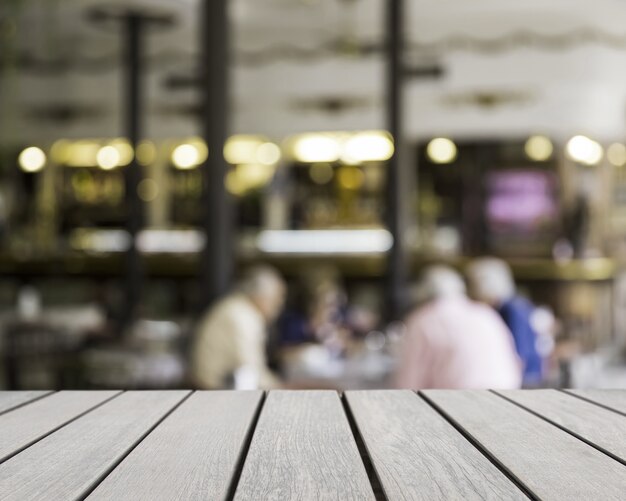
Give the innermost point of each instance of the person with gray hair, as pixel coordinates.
(230, 341)
(491, 281)
(454, 342)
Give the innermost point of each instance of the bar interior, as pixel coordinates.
(344, 194)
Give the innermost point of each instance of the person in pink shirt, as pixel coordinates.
(454, 342)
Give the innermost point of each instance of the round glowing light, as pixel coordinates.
(203, 151)
(538, 148)
(146, 153)
(350, 177)
(616, 154)
(268, 154)
(321, 173)
(254, 175)
(148, 190)
(316, 148)
(185, 156)
(584, 150)
(108, 158)
(60, 151)
(367, 147)
(83, 154)
(441, 150)
(32, 159)
(241, 149)
(124, 149)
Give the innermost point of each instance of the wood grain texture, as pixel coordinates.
(614, 399)
(70, 462)
(193, 454)
(27, 424)
(548, 461)
(417, 454)
(303, 449)
(12, 399)
(601, 427)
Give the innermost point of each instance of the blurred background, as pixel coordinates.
(152, 151)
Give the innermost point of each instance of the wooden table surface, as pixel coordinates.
(310, 445)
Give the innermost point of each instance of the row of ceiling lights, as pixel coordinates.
(581, 149)
(347, 147)
(350, 148)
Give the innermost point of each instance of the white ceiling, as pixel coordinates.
(559, 66)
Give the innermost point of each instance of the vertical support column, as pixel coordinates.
(217, 258)
(397, 203)
(133, 23)
(132, 125)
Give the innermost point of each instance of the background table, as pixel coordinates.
(313, 445)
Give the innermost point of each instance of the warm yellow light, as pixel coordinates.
(233, 184)
(146, 153)
(108, 158)
(311, 148)
(370, 146)
(83, 154)
(124, 149)
(60, 151)
(584, 150)
(538, 148)
(245, 177)
(199, 144)
(254, 175)
(185, 156)
(616, 154)
(268, 153)
(32, 159)
(350, 177)
(441, 150)
(321, 173)
(148, 190)
(241, 149)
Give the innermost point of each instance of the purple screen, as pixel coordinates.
(520, 201)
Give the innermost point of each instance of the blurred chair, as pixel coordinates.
(36, 355)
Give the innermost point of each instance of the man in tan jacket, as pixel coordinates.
(229, 348)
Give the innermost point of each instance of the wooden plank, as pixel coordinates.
(193, 454)
(417, 454)
(601, 427)
(613, 399)
(303, 448)
(551, 463)
(26, 425)
(12, 399)
(71, 461)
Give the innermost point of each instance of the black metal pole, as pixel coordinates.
(396, 195)
(217, 258)
(133, 25)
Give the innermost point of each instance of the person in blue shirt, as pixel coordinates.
(491, 281)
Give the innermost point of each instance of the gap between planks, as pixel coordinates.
(243, 453)
(482, 449)
(100, 479)
(563, 428)
(568, 391)
(62, 425)
(372, 475)
(28, 401)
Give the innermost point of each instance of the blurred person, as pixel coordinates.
(230, 344)
(491, 281)
(317, 312)
(454, 342)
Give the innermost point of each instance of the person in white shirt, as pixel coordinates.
(230, 341)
